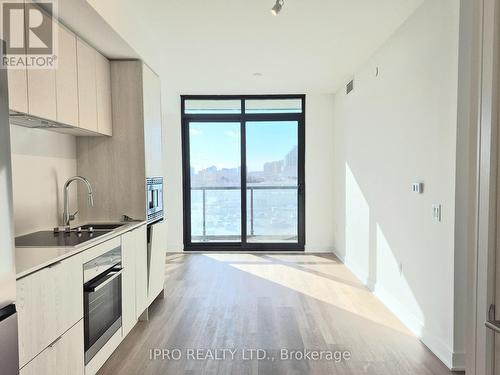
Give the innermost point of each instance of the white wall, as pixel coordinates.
(319, 174)
(172, 165)
(395, 129)
(42, 161)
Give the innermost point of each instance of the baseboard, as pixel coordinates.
(458, 362)
(416, 326)
(454, 361)
(317, 250)
(361, 276)
(175, 248)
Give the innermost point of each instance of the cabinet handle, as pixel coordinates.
(55, 342)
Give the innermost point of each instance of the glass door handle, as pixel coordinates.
(105, 281)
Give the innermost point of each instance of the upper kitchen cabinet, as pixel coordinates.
(66, 78)
(18, 90)
(152, 122)
(75, 97)
(87, 89)
(103, 85)
(42, 87)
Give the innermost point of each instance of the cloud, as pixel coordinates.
(232, 134)
(194, 131)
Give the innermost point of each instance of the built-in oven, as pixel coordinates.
(102, 300)
(154, 187)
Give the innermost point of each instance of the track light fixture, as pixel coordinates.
(277, 7)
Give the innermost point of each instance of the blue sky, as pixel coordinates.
(219, 143)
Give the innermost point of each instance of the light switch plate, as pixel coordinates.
(436, 211)
(417, 187)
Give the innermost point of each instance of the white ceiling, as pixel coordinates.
(216, 46)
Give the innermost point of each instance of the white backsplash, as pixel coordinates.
(42, 161)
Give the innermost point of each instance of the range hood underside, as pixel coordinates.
(29, 121)
(34, 122)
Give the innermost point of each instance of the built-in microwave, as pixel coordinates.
(154, 191)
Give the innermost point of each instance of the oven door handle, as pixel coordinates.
(106, 280)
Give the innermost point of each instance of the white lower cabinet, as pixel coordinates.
(49, 302)
(156, 254)
(133, 249)
(63, 357)
(141, 271)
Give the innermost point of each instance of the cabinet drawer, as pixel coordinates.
(50, 301)
(62, 357)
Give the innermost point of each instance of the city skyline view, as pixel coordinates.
(215, 171)
(272, 153)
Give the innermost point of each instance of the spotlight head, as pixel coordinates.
(277, 7)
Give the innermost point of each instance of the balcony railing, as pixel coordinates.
(251, 192)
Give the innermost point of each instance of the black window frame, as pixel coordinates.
(242, 118)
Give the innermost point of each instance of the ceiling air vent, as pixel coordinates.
(349, 87)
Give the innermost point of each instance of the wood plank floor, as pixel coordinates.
(270, 302)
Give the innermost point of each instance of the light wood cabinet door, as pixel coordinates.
(49, 302)
(42, 93)
(42, 100)
(141, 270)
(62, 357)
(157, 260)
(18, 90)
(87, 102)
(103, 83)
(152, 122)
(66, 78)
(133, 243)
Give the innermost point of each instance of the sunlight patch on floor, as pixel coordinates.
(353, 299)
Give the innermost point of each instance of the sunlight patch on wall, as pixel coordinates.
(390, 280)
(357, 226)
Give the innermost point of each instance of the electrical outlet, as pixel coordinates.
(436, 211)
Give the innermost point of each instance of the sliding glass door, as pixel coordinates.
(272, 181)
(243, 180)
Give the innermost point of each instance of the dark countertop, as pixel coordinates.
(30, 259)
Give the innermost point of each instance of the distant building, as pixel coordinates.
(292, 158)
(273, 168)
(212, 177)
(291, 163)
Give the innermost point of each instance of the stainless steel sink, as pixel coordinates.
(101, 226)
